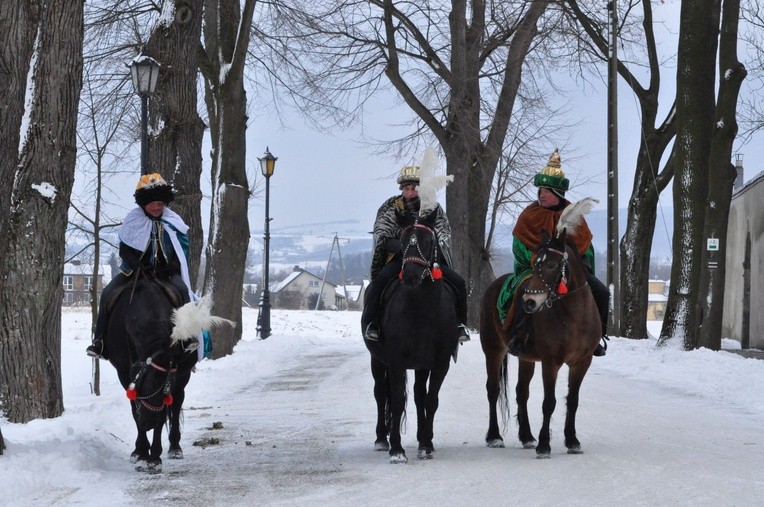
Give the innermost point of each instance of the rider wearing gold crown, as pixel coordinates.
(543, 215)
(395, 214)
(151, 237)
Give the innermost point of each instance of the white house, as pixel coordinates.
(743, 319)
(300, 289)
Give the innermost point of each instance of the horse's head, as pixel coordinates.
(550, 273)
(151, 387)
(420, 254)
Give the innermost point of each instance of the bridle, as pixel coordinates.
(557, 288)
(165, 387)
(431, 266)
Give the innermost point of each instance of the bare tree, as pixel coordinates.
(720, 181)
(43, 174)
(649, 179)
(698, 39)
(457, 66)
(222, 63)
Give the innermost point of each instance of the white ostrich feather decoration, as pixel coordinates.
(430, 182)
(193, 318)
(571, 216)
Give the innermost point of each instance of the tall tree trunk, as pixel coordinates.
(698, 36)
(18, 24)
(636, 243)
(30, 302)
(226, 34)
(720, 180)
(471, 159)
(176, 145)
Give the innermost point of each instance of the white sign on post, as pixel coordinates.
(712, 244)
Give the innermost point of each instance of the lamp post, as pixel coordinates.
(267, 165)
(145, 71)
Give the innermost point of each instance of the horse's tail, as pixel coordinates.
(503, 397)
(193, 318)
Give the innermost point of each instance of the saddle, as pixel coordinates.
(169, 289)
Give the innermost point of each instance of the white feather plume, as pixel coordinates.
(430, 182)
(193, 318)
(571, 216)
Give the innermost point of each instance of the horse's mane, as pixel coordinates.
(571, 216)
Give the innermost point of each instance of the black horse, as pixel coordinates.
(153, 349)
(419, 332)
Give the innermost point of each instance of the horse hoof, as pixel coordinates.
(154, 468)
(175, 454)
(529, 445)
(495, 443)
(381, 445)
(575, 450)
(398, 458)
(135, 458)
(424, 453)
(543, 454)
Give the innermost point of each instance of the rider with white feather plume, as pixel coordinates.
(551, 213)
(419, 187)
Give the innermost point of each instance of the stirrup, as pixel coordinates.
(372, 332)
(95, 349)
(463, 334)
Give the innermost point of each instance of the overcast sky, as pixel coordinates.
(327, 178)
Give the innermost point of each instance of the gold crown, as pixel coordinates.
(553, 167)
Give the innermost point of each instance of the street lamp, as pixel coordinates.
(267, 165)
(145, 71)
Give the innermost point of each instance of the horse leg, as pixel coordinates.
(382, 398)
(525, 370)
(179, 396)
(423, 436)
(154, 464)
(549, 374)
(426, 447)
(397, 407)
(575, 378)
(141, 451)
(496, 387)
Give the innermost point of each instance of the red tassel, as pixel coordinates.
(131, 392)
(168, 399)
(437, 274)
(562, 288)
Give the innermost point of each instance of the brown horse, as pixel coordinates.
(566, 329)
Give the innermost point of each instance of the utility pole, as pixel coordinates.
(613, 271)
(336, 241)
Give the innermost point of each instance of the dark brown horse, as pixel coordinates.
(565, 326)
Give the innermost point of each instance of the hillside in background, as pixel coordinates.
(308, 246)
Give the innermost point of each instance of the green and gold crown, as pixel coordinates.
(552, 175)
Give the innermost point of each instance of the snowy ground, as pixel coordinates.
(658, 427)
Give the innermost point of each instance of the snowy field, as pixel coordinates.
(658, 427)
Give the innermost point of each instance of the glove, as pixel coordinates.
(393, 245)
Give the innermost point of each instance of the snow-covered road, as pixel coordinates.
(298, 429)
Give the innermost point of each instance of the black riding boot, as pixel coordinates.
(520, 331)
(602, 298)
(373, 301)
